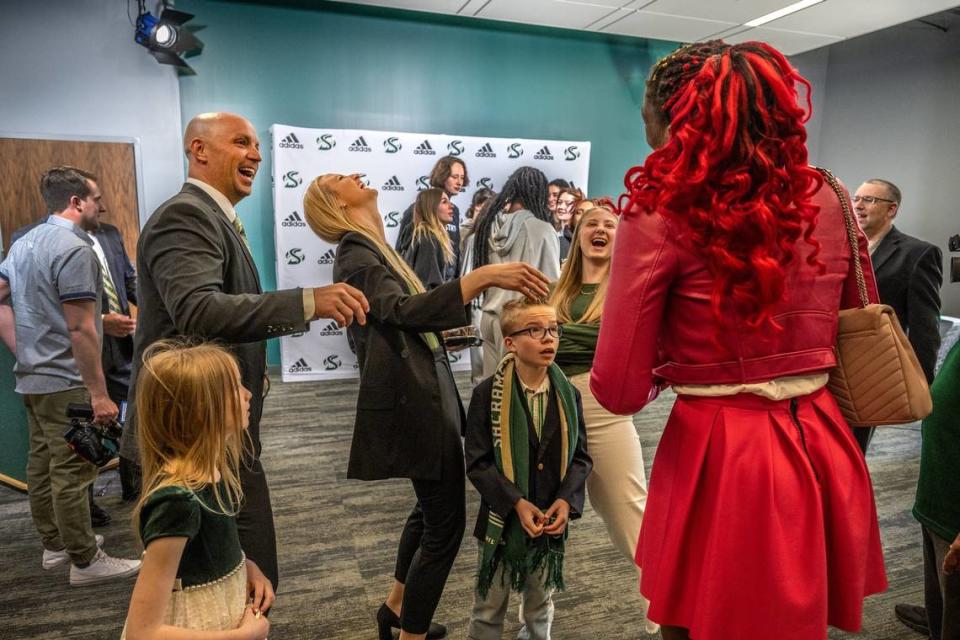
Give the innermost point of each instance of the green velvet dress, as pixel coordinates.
(210, 589)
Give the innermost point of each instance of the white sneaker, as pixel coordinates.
(102, 567)
(52, 559)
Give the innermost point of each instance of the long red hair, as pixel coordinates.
(733, 176)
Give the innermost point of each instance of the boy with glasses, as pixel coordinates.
(526, 453)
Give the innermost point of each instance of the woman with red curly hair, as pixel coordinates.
(731, 263)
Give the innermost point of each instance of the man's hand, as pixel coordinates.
(341, 303)
(104, 410)
(559, 511)
(118, 325)
(951, 561)
(531, 518)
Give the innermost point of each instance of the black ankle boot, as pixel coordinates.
(387, 620)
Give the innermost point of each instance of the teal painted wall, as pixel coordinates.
(343, 67)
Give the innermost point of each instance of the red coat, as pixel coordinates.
(658, 326)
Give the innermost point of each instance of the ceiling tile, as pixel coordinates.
(850, 18)
(647, 24)
(738, 11)
(788, 42)
(551, 13)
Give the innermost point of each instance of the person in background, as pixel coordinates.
(909, 273)
(480, 197)
(431, 252)
(553, 190)
(517, 228)
(449, 174)
(760, 519)
(562, 217)
(50, 293)
(618, 485)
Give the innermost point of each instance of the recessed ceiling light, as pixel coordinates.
(779, 13)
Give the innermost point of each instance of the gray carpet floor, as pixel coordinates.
(337, 540)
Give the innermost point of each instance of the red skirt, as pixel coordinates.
(759, 524)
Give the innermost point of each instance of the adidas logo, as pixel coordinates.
(360, 145)
(293, 220)
(328, 257)
(331, 329)
(291, 142)
(300, 366)
(393, 184)
(424, 149)
(486, 151)
(543, 154)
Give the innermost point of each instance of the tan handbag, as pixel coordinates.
(878, 379)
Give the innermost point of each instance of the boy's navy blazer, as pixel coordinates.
(498, 493)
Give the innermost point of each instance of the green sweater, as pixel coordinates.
(578, 344)
(938, 491)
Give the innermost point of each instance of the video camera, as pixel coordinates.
(95, 443)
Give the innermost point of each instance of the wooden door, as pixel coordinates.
(24, 160)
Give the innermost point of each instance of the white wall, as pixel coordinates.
(71, 68)
(890, 110)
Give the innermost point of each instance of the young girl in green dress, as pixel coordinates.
(195, 581)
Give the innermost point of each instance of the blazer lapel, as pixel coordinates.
(220, 215)
(551, 422)
(888, 247)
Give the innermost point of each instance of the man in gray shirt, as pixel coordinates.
(50, 289)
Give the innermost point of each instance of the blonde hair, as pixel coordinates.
(571, 280)
(426, 223)
(189, 422)
(328, 218)
(513, 311)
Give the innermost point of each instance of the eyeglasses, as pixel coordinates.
(870, 199)
(539, 333)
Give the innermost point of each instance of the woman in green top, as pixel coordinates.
(194, 582)
(617, 487)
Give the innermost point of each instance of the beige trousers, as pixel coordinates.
(617, 486)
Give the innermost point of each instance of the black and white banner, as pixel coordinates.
(398, 165)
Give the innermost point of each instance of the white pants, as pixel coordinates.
(617, 486)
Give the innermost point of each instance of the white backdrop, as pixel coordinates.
(398, 165)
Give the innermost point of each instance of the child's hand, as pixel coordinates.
(560, 512)
(951, 561)
(531, 518)
(259, 588)
(254, 625)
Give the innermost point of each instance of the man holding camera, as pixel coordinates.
(50, 290)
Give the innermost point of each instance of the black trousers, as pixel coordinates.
(434, 530)
(863, 436)
(941, 592)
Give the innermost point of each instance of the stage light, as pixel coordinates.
(166, 37)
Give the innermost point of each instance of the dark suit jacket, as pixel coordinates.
(425, 257)
(117, 352)
(399, 431)
(498, 493)
(198, 279)
(405, 233)
(909, 273)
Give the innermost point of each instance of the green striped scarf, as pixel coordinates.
(505, 540)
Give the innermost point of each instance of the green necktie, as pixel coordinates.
(113, 300)
(243, 234)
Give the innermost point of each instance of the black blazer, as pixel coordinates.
(117, 352)
(398, 431)
(909, 273)
(498, 493)
(198, 279)
(425, 257)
